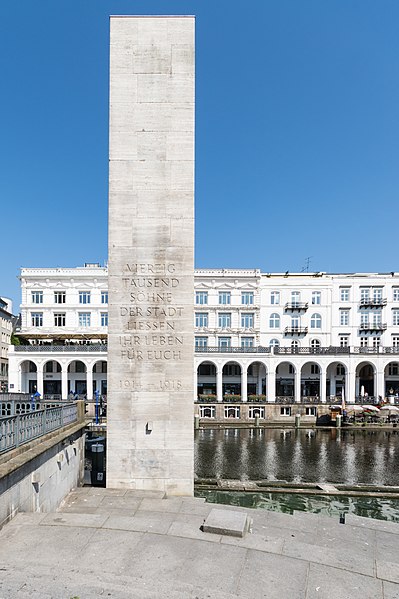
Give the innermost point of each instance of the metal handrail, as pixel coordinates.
(93, 347)
(19, 429)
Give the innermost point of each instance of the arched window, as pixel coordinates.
(295, 344)
(315, 344)
(274, 321)
(274, 343)
(315, 321)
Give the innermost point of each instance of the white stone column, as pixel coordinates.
(357, 386)
(195, 382)
(298, 385)
(39, 380)
(350, 386)
(244, 381)
(89, 381)
(271, 385)
(323, 390)
(219, 383)
(64, 382)
(380, 390)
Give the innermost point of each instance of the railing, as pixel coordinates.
(372, 302)
(20, 429)
(234, 350)
(373, 326)
(296, 306)
(15, 407)
(93, 347)
(295, 330)
(311, 350)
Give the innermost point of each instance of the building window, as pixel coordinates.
(207, 411)
(295, 344)
(393, 369)
(395, 294)
(37, 319)
(291, 369)
(395, 317)
(274, 343)
(104, 297)
(344, 318)
(224, 298)
(274, 322)
(275, 298)
(247, 341)
(364, 342)
(59, 319)
(340, 371)
(201, 297)
(59, 297)
(201, 342)
(231, 411)
(285, 411)
(256, 412)
(376, 342)
(310, 411)
(377, 317)
(344, 340)
(224, 342)
(295, 297)
(364, 318)
(37, 297)
(315, 321)
(344, 294)
(316, 298)
(314, 369)
(364, 293)
(201, 319)
(315, 344)
(377, 294)
(395, 341)
(104, 319)
(84, 319)
(295, 322)
(247, 297)
(224, 320)
(247, 320)
(84, 297)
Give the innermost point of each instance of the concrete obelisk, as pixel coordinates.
(151, 247)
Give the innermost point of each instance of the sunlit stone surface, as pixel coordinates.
(151, 266)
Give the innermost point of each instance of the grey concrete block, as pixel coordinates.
(226, 522)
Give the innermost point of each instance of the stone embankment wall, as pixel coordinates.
(36, 478)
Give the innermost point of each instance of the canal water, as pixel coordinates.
(349, 457)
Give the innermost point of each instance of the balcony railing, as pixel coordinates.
(233, 350)
(296, 306)
(312, 350)
(295, 330)
(373, 326)
(93, 347)
(372, 303)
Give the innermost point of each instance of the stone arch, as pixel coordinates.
(285, 380)
(99, 369)
(52, 379)
(391, 379)
(77, 377)
(206, 379)
(256, 378)
(365, 380)
(311, 380)
(27, 370)
(337, 381)
(231, 378)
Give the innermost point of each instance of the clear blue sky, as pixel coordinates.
(297, 133)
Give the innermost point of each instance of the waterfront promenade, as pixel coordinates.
(128, 544)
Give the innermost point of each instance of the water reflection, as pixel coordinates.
(350, 457)
(369, 507)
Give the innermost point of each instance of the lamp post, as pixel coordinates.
(97, 395)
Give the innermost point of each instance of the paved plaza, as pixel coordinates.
(127, 544)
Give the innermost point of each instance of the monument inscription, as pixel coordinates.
(151, 262)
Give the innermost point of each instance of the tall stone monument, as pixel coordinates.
(151, 262)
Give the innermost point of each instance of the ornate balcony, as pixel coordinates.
(372, 303)
(296, 307)
(295, 331)
(373, 326)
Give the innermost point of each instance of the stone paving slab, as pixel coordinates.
(226, 523)
(101, 553)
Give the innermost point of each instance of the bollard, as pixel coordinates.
(342, 517)
(196, 422)
(297, 420)
(339, 421)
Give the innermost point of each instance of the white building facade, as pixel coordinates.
(261, 338)
(6, 326)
